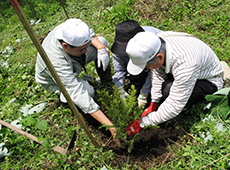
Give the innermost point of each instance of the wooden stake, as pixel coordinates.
(63, 6)
(45, 58)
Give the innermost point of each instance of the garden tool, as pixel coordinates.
(34, 138)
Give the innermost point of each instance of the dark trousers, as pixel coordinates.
(201, 89)
(105, 76)
(138, 81)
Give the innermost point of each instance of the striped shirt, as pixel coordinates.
(188, 59)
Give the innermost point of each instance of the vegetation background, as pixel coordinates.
(204, 144)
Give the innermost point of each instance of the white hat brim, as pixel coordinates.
(135, 69)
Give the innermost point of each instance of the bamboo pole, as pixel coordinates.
(45, 58)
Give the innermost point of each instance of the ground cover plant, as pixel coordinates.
(197, 139)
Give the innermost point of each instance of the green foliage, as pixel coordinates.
(208, 20)
(222, 108)
(91, 156)
(122, 112)
(42, 124)
(33, 9)
(44, 10)
(219, 104)
(211, 143)
(5, 12)
(208, 145)
(122, 11)
(29, 121)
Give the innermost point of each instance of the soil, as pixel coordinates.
(156, 145)
(153, 149)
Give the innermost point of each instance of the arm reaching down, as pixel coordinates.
(100, 117)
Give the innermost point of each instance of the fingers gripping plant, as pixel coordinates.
(121, 112)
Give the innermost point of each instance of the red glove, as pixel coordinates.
(151, 108)
(134, 128)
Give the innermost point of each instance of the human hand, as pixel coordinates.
(122, 93)
(103, 57)
(150, 109)
(134, 128)
(113, 132)
(142, 99)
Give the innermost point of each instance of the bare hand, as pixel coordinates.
(113, 132)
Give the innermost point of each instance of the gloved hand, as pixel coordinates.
(142, 99)
(150, 109)
(103, 57)
(134, 128)
(123, 94)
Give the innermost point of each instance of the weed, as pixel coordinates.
(208, 20)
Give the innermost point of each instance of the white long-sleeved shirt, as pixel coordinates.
(188, 59)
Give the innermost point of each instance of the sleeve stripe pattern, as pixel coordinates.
(190, 59)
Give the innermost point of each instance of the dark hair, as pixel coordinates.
(161, 50)
(61, 41)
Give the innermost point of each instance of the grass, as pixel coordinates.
(208, 20)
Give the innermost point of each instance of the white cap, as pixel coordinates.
(74, 32)
(140, 49)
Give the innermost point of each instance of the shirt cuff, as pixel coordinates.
(145, 121)
(93, 107)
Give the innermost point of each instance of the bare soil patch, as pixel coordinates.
(153, 149)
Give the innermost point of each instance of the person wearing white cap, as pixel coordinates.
(184, 69)
(70, 46)
(124, 32)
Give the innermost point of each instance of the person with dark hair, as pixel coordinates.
(184, 70)
(124, 32)
(69, 47)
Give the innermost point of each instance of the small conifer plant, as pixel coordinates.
(122, 113)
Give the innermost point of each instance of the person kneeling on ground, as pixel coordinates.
(69, 47)
(184, 70)
(124, 32)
